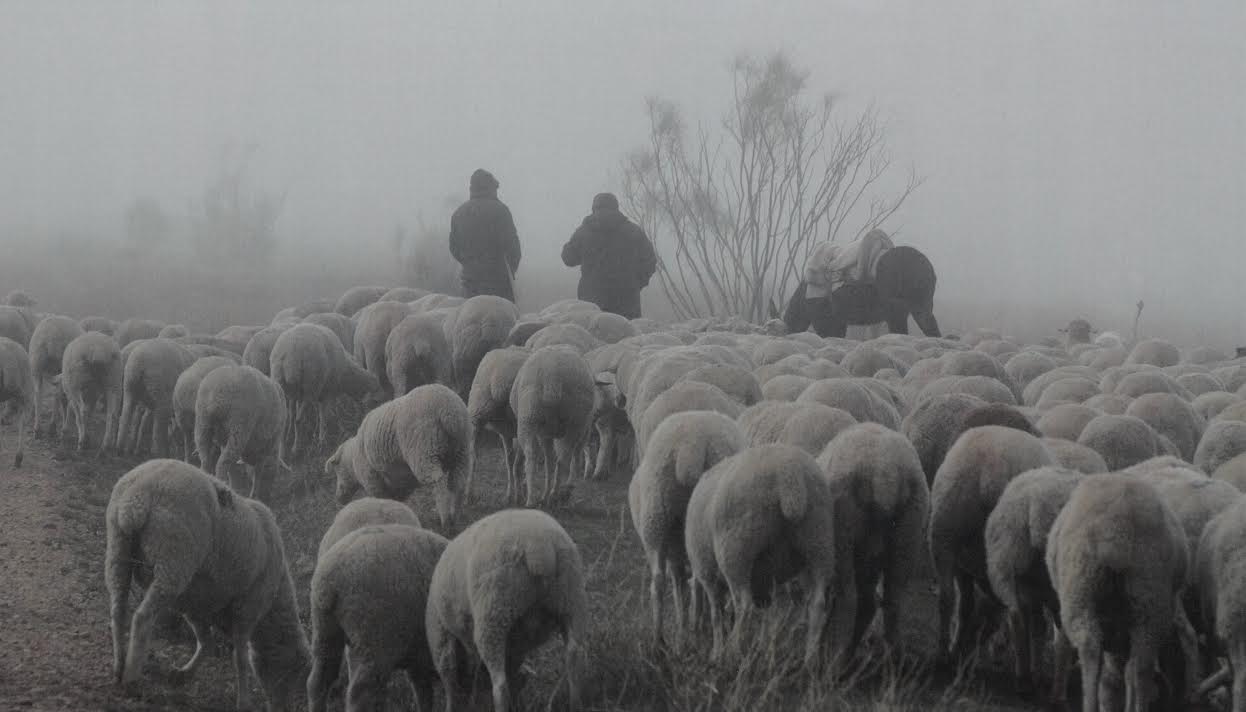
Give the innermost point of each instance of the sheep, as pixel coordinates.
(216, 558)
(103, 325)
(553, 397)
(185, 392)
(881, 512)
(240, 415)
(523, 330)
(1109, 403)
(739, 384)
(1066, 420)
(611, 328)
(342, 326)
(311, 367)
(570, 334)
(1140, 383)
(15, 326)
(357, 298)
(1074, 456)
(1118, 560)
(1074, 389)
(763, 422)
(47, 351)
(1218, 563)
(403, 294)
(681, 449)
(1034, 390)
(997, 414)
(91, 370)
(1233, 471)
(371, 335)
(812, 426)
(1016, 546)
(774, 350)
(966, 487)
(1199, 383)
(417, 352)
(1234, 411)
(768, 517)
(1122, 440)
(481, 324)
(785, 387)
(238, 335)
(136, 329)
(148, 379)
(683, 396)
(865, 360)
(934, 425)
(1210, 405)
(17, 388)
(420, 438)
(173, 331)
(488, 408)
(1171, 417)
(500, 589)
(1154, 352)
(259, 350)
(370, 590)
(362, 512)
(859, 401)
(1222, 441)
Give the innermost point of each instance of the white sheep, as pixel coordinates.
(1066, 420)
(480, 325)
(135, 329)
(17, 388)
(1140, 383)
(1154, 352)
(1074, 389)
(812, 426)
(500, 589)
(417, 352)
(769, 518)
(357, 298)
(363, 512)
(488, 408)
(1109, 403)
(738, 383)
(240, 415)
(15, 324)
(852, 396)
(371, 334)
(683, 396)
(1171, 417)
(934, 425)
(882, 510)
(785, 387)
(340, 325)
(1074, 456)
(149, 377)
(1122, 440)
(403, 294)
(47, 351)
(216, 558)
(977, 468)
(683, 447)
(102, 324)
(173, 331)
(553, 398)
(423, 437)
(259, 350)
(370, 590)
(1034, 390)
(568, 333)
(1219, 560)
(185, 392)
(91, 370)
(1200, 383)
(1221, 441)
(1118, 559)
(763, 422)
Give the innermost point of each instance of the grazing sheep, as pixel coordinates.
(423, 437)
(47, 350)
(523, 330)
(1122, 440)
(1234, 411)
(683, 447)
(977, 468)
(185, 393)
(357, 298)
(340, 325)
(481, 324)
(997, 414)
(91, 370)
(683, 396)
(1024, 367)
(259, 350)
(1171, 417)
(371, 335)
(567, 333)
(417, 352)
(785, 387)
(148, 380)
(812, 426)
(362, 512)
(1066, 420)
(17, 388)
(1016, 547)
(240, 415)
(1073, 389)
(881, 512)
(500, 589)
(217, 558)
(611, 328)
(1200, 383)
(1074, 456)
(553, 398)
(403, 294)
(769, 518)
(103, 325)
(1109, 403)
(15, 326)
(488, 408)
(763, 422)
(1222, 441)
(370, 590)
(935, 424)
(1218, 563)
(1233, 471)
(136, 329)
(865, 360)
(739, 384)
(851, 396)
(311, 367)
(1154, 352)
(1139, 383)
(173, 331)
(1118, 559)
(238, 335)
(1210, 405)
(1034, 390)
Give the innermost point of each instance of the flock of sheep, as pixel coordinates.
(1085, 495)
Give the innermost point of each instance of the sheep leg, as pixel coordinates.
(445, 650)
(112, 402)
(713, 601)
(38, 403)
(551, 467)
(678, 573)
(161, 420)
(77, 408)
(532, 450)
(512, 487)
(1139, 682)
(965, 622)
(242, 667)
(1237, 663)
(368, 683)
(742, 597)
(1019, 631)
(1090, 654)
(657, 585)
(328, 648)
(296, 449)
(127, 422)
(609, 442)
(491, 643)
(1063, 661)
(1188, 641)
(947, 602)
(21, 437)
(188, 669)
(322, 424)
(155, 600)
(225, 470)
(262, 476)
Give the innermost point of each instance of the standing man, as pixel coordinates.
(615, 258)
(484, 242)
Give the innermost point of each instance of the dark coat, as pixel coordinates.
(484, 241)
(616, 261)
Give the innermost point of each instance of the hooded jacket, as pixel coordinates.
(615, 258)
(484, 241)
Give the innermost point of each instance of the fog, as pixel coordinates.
(1077, 156)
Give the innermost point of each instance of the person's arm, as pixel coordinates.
(796, 316)
(646, 258)
(571, 256)
(511, 239)
(456, 239)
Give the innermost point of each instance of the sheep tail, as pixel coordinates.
(540, 556)
(793, 496)
(690, 464)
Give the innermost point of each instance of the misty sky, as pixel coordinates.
(1058, 138)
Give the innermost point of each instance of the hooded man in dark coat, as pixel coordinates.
(484, 241)
(615, 258)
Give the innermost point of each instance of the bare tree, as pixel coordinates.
(735, 213)
(235, 220)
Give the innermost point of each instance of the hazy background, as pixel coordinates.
(1078, 156)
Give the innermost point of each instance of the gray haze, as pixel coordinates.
(1073, 151)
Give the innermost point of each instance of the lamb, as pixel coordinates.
(340, 325)
(966, 488)
(1066, 420)
(769, 518)
(681, 449)
(213, 556)
(17, 388)
(739, 384)
(417, 352)
(311, 367)
(1218, 562)
(357, 298)
(1122, 440)
(1119, 561)
(553, 398)
(423, 437)
(683, 396)
(1074, 456)
(371, 588)
(934, 425)
(185, 392)
(149, 377)
(1016, 546)
(371, 335)
(501, 588)
(47, 351)
(362, 512)
(488, 408)
(90, 370)
(1171, 417)
(136, 329)
(481, 324)
(259, 350)
(1154, 352)
(240, 415)
(1222, 441)
(881, 512)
